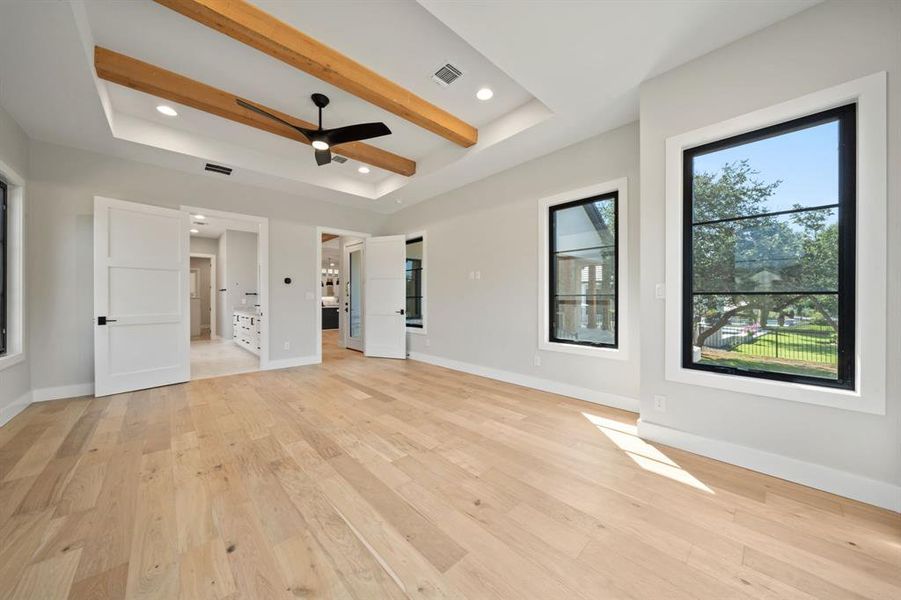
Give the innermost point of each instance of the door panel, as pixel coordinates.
(141, 288)
(384, 298)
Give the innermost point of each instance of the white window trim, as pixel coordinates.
(425, 295)
(16, 264)
(869, 396)
(622, 240)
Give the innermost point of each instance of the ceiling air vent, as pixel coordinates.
(218, 169)
(446, 75)
(339, 159)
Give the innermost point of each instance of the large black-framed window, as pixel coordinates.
(583, 271)
(4, 266)
(769, 252)
(414, 283)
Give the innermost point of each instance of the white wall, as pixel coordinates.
(15, 380)
(492, 226)
(824, 46)
(204, 245)
(241, 270)
(65, 181)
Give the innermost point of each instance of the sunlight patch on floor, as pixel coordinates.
(646, 456)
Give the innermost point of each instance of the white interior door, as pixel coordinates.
(141, 299)
(384, 296)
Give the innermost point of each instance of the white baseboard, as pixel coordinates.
(63, 391)
(834, 481)
(287, 363)
(545, 385)
(15, 407)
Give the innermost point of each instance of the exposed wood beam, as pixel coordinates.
(326, 237)
(249, 24)
(150, 79)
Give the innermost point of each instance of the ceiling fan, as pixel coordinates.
(323, 139)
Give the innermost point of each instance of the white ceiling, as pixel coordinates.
(561, 72)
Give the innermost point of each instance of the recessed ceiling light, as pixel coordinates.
(363, 170)
(320, 145)
(167, 110)
(485, 94)
(194, 230)
(200, 217)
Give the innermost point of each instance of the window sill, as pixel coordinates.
(596, 352)
(852, 400)
(417, 330)
(11, 359)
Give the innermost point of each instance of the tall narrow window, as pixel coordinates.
(414, 283)
(583, 271)
(769, 222)
(4, 266)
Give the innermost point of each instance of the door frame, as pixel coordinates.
(317, 279)
(262, 224)
(213, 303)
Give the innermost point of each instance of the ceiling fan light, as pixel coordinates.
(319, 145)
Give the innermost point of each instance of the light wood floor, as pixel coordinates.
(376, 479)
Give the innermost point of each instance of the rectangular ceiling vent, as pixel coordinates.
(446, 75)
(218, 169)
(339, 159)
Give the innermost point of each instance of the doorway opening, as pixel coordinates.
(340, 293)
(227, 293)
(369, 296)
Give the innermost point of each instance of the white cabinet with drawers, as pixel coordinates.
(246, 332)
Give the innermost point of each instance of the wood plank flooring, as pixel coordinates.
(374, 479)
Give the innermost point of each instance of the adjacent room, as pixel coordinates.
(538, 299)
(226, 306)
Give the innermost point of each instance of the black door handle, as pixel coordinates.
(400, 312)
(104, 320)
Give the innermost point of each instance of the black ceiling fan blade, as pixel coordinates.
(353, 133)
(323, 157)
(306, 132)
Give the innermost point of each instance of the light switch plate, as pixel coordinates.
(660, 291)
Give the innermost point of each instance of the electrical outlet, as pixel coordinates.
(243, 300)
(660, 403)
(287, 345)
(537, 360)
